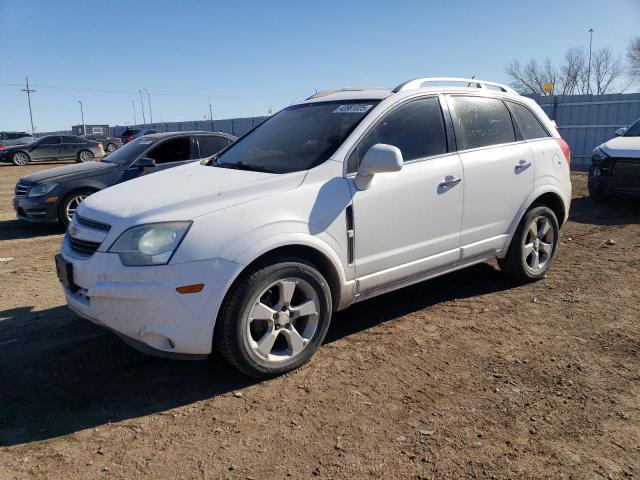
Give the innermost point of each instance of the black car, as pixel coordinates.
(110, 144)
(132, 133)
(53, 147)
(53, 195)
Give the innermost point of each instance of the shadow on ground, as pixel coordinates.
(60, 374)
(18, 229)
(622, 210)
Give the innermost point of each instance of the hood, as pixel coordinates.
(183, 193)
(70, 172)
(622, 147)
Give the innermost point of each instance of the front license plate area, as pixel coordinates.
(64, 270)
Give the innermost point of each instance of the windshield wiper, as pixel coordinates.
(243, 166)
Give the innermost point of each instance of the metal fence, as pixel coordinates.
(234, 126)
(586, 121)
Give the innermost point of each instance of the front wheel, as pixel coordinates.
(533, 247)
(85, 156)
(275, 317)
(111, 147)
(20, 159)
(69, 205)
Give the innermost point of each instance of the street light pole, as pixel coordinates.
(29, 91)
(149, 101)
(84, 127)
(589, 69)
(135, 120)
(144, 120)
(210, 113)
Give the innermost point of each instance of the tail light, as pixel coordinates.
(566, 151)
(2, 146)
(129, 138)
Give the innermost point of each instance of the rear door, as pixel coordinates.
(498, 171)
(210, 144)
(69, 146)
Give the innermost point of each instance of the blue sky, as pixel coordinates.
(252, 56)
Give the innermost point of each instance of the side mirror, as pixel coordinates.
(620, 131)
(146, 162)
(380, 158)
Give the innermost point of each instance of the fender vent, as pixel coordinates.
(350, 234)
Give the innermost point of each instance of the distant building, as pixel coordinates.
(77, 129)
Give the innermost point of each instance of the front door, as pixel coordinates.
(408, 222)
(46, 148)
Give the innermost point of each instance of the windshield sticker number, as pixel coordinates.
(353, 108)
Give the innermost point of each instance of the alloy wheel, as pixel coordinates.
(73, 204)
(20, 158)
(538, 244)
(111, 148)
(283, 320)
(86, 156)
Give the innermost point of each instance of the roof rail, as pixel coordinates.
(324, 93)
(417, 83)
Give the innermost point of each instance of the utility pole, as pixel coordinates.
(210, 113)
(84, 127)
(589, 69)
(135, 120)
(29, 91)
(144, 120)
(149, 100)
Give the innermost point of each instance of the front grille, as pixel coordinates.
(83, 246)
(627, 168)
(22, 189)
(96, 225)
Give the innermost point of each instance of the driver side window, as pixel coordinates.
(416, 128)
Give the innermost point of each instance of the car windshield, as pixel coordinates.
(297, 138)
(129, 152)
(634, 130)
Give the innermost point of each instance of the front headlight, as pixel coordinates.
(598, 155)
(151, 244)
(41, 189)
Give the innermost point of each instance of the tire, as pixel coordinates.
(20, 159)
(71, 201)
(282, 340)
(111, 147)
(85, 156)
(520, 261)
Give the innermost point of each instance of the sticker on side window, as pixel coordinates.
(353, 108)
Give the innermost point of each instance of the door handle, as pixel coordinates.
(449, 181)
(522, 166)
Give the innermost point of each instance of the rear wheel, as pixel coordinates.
(70, 204)
(20, 159)
(111, 147)
(275, 317)
(533, 247)
(85, 156)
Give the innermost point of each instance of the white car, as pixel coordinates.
(615, 165)
(347, 195)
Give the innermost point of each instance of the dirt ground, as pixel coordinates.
(468, 375)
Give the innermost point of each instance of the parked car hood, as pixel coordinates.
(70, 172)
(182, 193)
(622, 147)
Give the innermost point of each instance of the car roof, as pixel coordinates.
(160, 135)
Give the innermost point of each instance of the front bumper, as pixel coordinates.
(142, 304)
(35, 209)
(601, 179)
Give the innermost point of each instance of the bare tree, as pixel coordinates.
(633, 59)
(573, 73)
(606, 70)
(530, 78)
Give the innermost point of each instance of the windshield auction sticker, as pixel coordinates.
(353, 108)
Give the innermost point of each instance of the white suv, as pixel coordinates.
(344, 196)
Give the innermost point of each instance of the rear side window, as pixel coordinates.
(416, 128)
(529, 125)
(70, 140)
(50, 141)
(210, 144)
(483, 122)
(174, 150)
